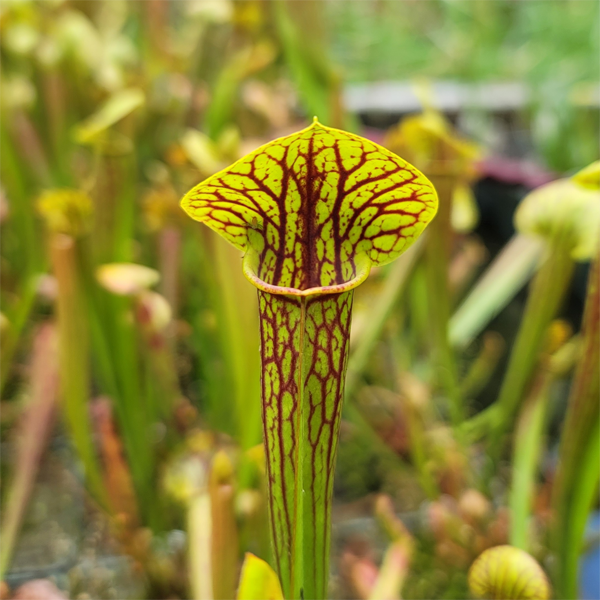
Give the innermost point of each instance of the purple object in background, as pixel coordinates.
(590, 565)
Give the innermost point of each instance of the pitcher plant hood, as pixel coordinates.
(315, 210)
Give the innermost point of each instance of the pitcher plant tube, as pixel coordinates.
(312, 213)
(578, 470)
(565, 214)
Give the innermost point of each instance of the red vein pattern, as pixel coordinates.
(309, 204)
(304, 347)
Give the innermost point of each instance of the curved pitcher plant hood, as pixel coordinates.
(312, 212)
(566, 208)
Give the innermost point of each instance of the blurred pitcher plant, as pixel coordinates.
(576, 485)
(565, 214)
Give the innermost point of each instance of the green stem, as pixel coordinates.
(505, 276)
(437, 259)
(73, 352)
(304, 351)
(528, 446)
(484, 365)
(118, 376)
(13, 335)
(417, 427)
(21, 188)
(125, 210)
(394, 570)
(418, 452)
(577, 475)
(136, 419)
(584, 494)
(547, 292)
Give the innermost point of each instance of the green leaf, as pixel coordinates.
(312, 213)
(507, 274)
(116, 108)
(258, 581)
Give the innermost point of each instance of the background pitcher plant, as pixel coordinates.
(312, 213)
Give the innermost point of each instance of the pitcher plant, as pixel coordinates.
(312, 213)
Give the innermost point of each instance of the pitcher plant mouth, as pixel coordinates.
(249, 267)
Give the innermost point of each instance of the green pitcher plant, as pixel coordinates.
(312, 213)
